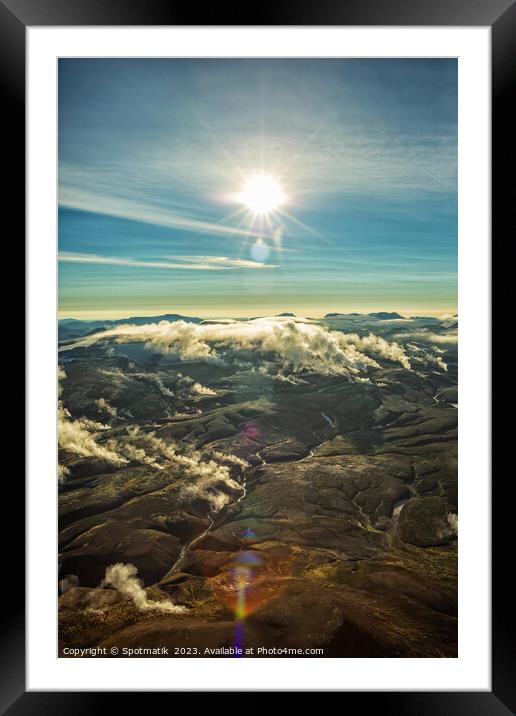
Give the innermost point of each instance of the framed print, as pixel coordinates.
(258, 262)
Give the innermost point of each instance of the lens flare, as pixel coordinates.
(243, 574)
(251, 430)
(251, 581)
(260, 251)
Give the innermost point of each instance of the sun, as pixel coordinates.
(262, 193)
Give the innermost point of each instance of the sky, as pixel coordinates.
(155, 156)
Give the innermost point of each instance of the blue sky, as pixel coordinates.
(153, 155)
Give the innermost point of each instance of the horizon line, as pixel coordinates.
(107, 314)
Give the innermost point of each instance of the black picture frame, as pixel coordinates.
(500, 15)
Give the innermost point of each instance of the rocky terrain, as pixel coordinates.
(291, 479)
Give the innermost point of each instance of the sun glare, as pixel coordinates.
(262, 194)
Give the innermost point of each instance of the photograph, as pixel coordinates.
(257, 361)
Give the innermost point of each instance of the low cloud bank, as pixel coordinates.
(448, 338)
(123, 578)
(297, 346)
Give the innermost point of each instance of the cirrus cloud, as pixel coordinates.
(187, 263)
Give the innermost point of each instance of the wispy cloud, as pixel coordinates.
(222, 261)
(85, 200)
(365, 150)
(192, 263)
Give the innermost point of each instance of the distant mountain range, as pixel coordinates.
(379, 316)
(75, 328)
(71, 328)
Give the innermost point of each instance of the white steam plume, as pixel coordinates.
(210, 480)
(453, 521)
(105, 407)
(199, 389)
(158, 382)
(76, 435)
(427, 356)
(123, 578)
(206, 489)
(448, 529)
(162, 387)
(69, 582)
(62, 473)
